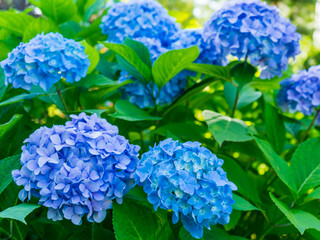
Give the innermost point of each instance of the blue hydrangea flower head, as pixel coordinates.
(252, 29)
(77, 169)
(188, 179)
(301, 92)
(44, 60)
(143, 95)
(139, 18)
(208, 53)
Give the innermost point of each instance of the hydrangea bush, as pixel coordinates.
(119, 122)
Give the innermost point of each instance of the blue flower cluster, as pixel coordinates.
(301, 92)
(252, 29)
(139, 18)
(188, 179)
(143, 95)
(77, 169)
(44, 61)
(191, 37)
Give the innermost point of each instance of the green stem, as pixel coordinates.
(19, 232)
(292, 204)
(310, 127)
(235, 103)
(156, 137)
(11, 227)
(92, 230)
(62, 99)
(274, 178)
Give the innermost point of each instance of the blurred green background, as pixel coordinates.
(305, 14)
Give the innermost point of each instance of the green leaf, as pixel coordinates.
(275, 129)
(300, 219)
(20, 98)
(4, 128)
(218, 72)
(58, 10)
(130, 112)
(243, 73)
(278, 164)
(99, 232)
(81, 6)
(219, 234)
(234, 220)
(6, 166)
(243, 205)
(137, 222)
(93, 231)
(265, 85)
(314, 195)
(99, 112)
(70, 29)
(140, 49)
(95, 80)
(98, 80)
(130, 61)
(15, 22)
(19, 212)
(4, 50)
(214, 234)
(195, 89)
(92, 7)
(37, 26)
(225, 128)
(137, 194)
(245, 183)
(92, 54)
(35, 3)
(183, 130)
(247, 95)
(305, 165)
(171, 63)
(3, 87)
(91, 30)
(312, 234)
